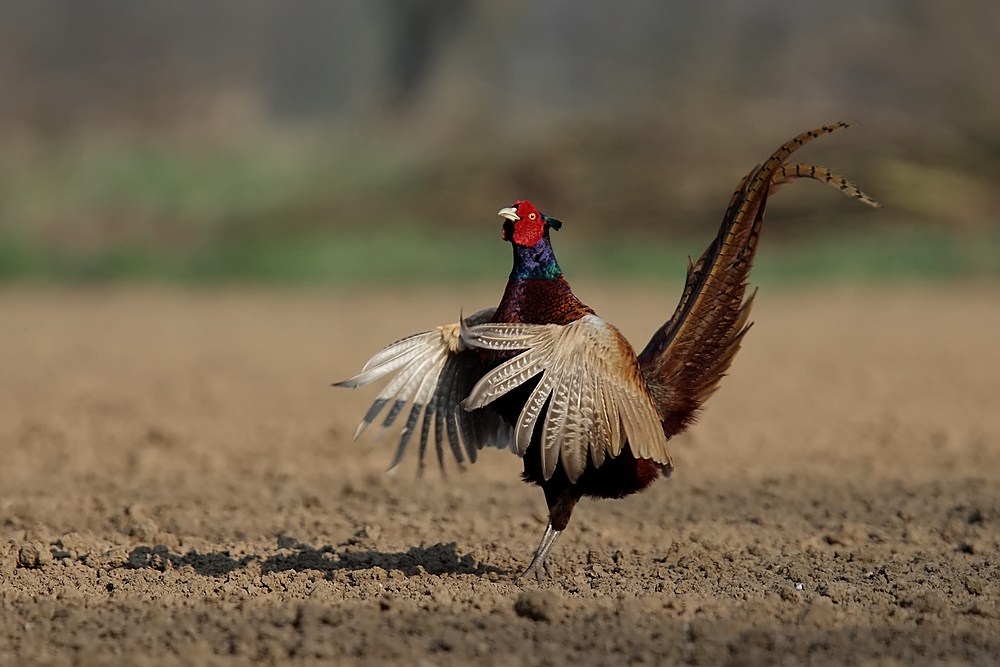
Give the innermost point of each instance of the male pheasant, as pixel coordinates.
(545, 377)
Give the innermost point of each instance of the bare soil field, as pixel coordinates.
(179, 486)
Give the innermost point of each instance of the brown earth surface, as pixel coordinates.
(179, 486)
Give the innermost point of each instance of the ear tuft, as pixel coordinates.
(552, 222)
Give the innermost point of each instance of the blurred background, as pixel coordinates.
(363, 141)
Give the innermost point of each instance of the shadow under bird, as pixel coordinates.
(545, 377)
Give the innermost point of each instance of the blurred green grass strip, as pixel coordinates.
(83, 184)
(387, 257)
(308, 209)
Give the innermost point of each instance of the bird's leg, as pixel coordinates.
(560, 510)
(538, 561)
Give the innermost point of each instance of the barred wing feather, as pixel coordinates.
(434, 371)
(591, 397)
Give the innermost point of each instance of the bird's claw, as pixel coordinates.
(539, 571)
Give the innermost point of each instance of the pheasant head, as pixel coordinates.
(527, 229)
(525, 225)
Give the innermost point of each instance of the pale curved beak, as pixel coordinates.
(510, 213)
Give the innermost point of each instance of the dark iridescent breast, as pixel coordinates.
(540, 301)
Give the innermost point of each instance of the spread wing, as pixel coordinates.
(434, 371)
(591, 396)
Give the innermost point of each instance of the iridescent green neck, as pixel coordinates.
(537, 262)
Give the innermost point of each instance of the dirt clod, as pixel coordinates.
(33, 555)
(534, 605)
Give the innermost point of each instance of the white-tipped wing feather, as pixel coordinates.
(434, 372)
(591, 391)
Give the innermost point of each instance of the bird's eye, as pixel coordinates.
(532, 216)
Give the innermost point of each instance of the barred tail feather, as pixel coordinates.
(687, 357)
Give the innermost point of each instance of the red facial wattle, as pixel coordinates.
(524, 224)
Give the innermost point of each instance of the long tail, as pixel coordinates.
(688, 356)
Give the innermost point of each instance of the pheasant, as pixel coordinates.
(543, 376)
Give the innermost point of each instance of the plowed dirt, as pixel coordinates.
(179, 486)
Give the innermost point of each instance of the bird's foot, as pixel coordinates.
(539, 566)
(539, 569)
